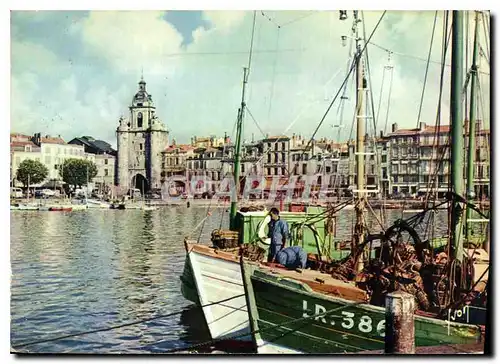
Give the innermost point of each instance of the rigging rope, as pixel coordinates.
(380, 96)
(255, 121)
(467, 57)
(234, 127)
(359, 55)
(110, 328)
(299, 18)
(253, 332)
(427, 67)
(389, 99)
(412, 56)
(445, 43)
(273, 78)
(221, 170)
(378, 158)
(486, 33)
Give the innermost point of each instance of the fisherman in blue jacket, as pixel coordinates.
(278, 232)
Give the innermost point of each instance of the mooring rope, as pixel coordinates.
(121, 325)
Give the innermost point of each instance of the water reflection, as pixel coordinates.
(80, 271)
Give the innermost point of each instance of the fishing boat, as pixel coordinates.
(311, 312)
(212, 272)
(24, 207)
(97, 204)
(79, 207)
(337, 307)
(61, 208)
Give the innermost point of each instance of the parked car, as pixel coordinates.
(16, 192)
(48, 193)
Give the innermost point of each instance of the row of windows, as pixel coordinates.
(65, 151)
(276, 146)
(276, 158)
(274, 171)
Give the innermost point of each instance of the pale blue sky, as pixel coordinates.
(74, 72)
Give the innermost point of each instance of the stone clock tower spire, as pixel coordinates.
(140, 139)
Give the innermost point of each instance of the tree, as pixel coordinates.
(31, 172)
(77, 172)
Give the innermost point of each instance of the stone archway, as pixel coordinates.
(140, 182)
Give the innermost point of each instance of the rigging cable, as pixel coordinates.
(299, 18)
(343, 83)
(433, 179)
(224, 148)
(389, 97)
(255, 121)
(270, 327)
(340, 110)
(221, 170)
(273, 78)
(486, 33)
(467, 15)
(380, 96)
(375, 150)
(427, 68)
(158, 317)
(445, 43)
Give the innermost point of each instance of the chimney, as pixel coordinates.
(422, 126)
(36, 138)
(394, 127)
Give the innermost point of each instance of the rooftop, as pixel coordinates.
(276, 137)
(179, 147)
(52, 140)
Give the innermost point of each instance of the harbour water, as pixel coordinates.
(86, 270)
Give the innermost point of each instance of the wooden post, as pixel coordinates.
(399, 323)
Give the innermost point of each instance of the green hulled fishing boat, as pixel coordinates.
(340, 310)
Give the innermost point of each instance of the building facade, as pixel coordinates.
(141, 139)
(50, 151)
(104, 157)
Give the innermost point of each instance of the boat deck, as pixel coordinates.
(320, 282)
(192, 245)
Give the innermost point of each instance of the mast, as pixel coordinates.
(87, 188)
(472, 129)
(457, 133)
(237, 144)
(237, 154)
(360, 148)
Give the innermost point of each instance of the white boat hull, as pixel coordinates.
(216, 280)
(94, 204)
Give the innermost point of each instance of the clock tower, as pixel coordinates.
(140, 140)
